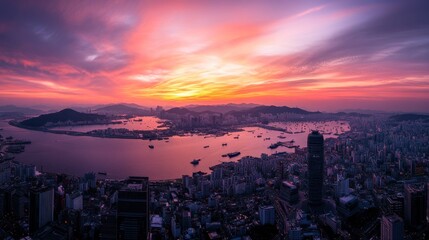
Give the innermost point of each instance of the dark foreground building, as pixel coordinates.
(41, 207)
(315, 168)
(133, 209)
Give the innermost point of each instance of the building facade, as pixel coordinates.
(315, 167)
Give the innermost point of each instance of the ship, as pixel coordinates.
(195, 161)
(207, 146)
(233, 154)
(275, 145)
(224, 144)
(151, 147)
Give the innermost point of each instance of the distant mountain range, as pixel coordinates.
(122, 109)
(224, 108)
(181, 111)
(62, 116)
(352, 114)
(410, 117)
(22, 110)
(254, 111)
(274, 110)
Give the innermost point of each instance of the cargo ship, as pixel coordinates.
(233, 154)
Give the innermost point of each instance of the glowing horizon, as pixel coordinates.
(325, 55)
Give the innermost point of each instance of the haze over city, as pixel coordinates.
(324, 55)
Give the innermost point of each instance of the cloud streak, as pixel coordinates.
(280, 52)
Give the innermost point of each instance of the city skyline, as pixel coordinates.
(324, 56)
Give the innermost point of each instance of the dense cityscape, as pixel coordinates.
(213, 120)
(369, 183)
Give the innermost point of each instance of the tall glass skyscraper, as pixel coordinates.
(315, 167)
(133, 209)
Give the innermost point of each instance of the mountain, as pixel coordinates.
(256, 111)
(62, 116)
(410, 117)
(15, 109)
(180, 111)
(224, 108)
(119, 109)
(352, 114)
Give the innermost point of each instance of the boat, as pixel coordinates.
(233, 154)
(151, 147)
(224, 155)
(195, 161)
(224, 144)
(206, 146)
(275, 145)
(259, 136)
(236, 137)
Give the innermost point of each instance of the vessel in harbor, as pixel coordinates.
(233, 154)
(195, 161)
(275, 145)
(151, 146)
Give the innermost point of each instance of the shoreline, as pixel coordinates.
(132, 134)
(107, 177)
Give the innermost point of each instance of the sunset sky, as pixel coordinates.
(318, 55)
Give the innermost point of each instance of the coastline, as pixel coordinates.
(132, 134)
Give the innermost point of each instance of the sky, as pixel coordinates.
(318, 55)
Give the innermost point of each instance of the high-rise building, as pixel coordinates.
(415, 205)
(315, 167)
(289, 192)
(342, 189)
(395, 204)
(133, 209)
(392, 227)
(41, 207)
(266, 215)
(74, 201)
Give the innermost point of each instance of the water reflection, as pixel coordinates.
(168, 159)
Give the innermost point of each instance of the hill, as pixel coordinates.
(352, 114)
(180, 111)
(410, 117)
(224, 108)
(274, 110)
(21, 110)
(119, 109)
(62, 116)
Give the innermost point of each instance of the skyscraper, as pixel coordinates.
(415, 205)
(266, 215)
(392, 227)
(289, 192)
(315, 167)
(41, 207)
(133, 209)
